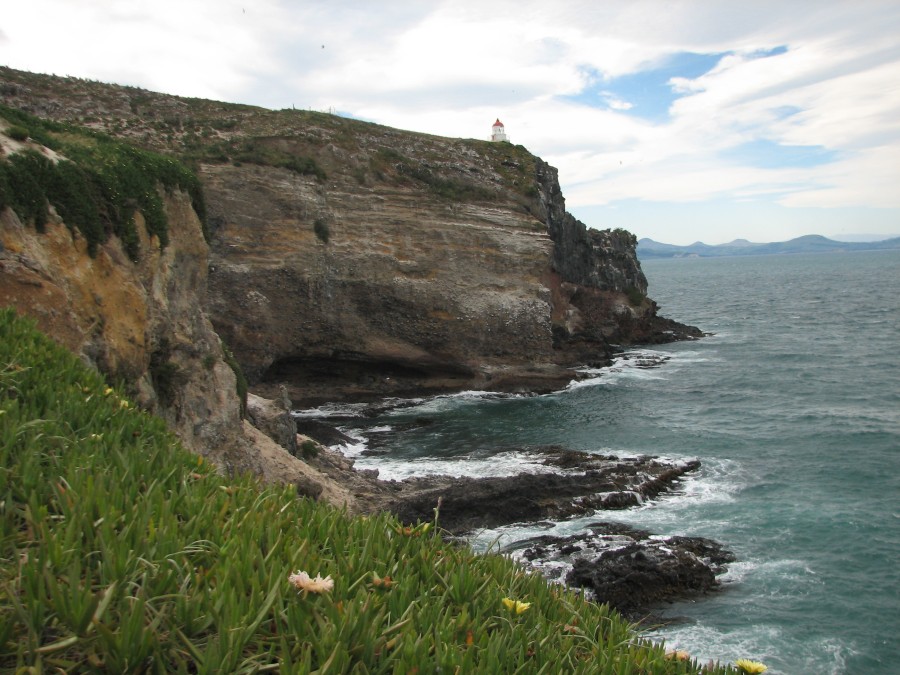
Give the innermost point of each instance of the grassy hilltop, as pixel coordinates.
(121, 552)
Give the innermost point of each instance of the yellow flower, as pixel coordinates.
(678, 655)
(751, 667)
(516, 606)
(303, 582)
(107, 391)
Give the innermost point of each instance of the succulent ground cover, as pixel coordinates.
(121, 552)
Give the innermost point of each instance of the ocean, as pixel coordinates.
(793, 408)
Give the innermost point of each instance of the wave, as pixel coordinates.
(774, 578)
(695, 506)
(642, 364)
(473, 464)
(495, 466)
(828, 656)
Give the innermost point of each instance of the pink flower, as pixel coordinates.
(303, 582)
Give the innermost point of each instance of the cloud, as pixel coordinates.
(795, 104)
(191, 49)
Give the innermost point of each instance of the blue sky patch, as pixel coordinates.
(765, 53)
(765, 154)
(648, 93)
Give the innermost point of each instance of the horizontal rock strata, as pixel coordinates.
(351, 261)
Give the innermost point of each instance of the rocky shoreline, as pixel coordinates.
(633, 570)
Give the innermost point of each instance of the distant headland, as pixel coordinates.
(813, 243)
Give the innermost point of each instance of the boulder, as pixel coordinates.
(273, 417)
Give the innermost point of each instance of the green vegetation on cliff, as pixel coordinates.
(121, 552)
(97, 185)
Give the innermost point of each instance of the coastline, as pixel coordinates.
(634, 571)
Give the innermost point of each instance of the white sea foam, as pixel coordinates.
(759, 642)
(692, 506)
(473, 466)
(705, 643)
(443, 402)
(329, 410)
(641, 364)
(779, 576)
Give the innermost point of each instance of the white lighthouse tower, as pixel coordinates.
(498, 132)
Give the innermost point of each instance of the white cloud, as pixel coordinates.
(188, 48)
(452, 67)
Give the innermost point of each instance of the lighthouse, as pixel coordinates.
(498, 132)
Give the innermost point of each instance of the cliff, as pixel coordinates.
(352, 260)
(134, 312)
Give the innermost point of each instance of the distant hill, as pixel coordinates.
(813, 243)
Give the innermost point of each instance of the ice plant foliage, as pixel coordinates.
(180, 572)
(303, 582)
(751, 667)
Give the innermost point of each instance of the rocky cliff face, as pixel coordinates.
(351, 260)
(141, 322)
(138, 322)
(409, 290)
(495, 286)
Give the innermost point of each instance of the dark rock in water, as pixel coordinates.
(628, 568)
(322, 432)
(639, 575)
(372, 452)
(590, 482)
(710, 552)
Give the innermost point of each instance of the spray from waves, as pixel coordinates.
(641, 364)
(445, 402)
(672, 513)
(361, 410)
(694, 506)
(473, 464)
(495, 466)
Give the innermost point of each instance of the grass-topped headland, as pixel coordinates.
(95, 183)
(121, 552)
(327, 147)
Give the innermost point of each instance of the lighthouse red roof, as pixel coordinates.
(498, 123)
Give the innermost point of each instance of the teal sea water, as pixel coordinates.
(793, 408)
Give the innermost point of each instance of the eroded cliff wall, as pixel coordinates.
(351, 260)
(138, 322)
(418, 264)
(134, 312)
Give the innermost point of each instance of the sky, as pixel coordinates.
(681, 121)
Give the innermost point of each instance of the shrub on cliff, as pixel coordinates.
(323, 232)
(17, 133)
(97, 187)
(120, 552)
(257, 151)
